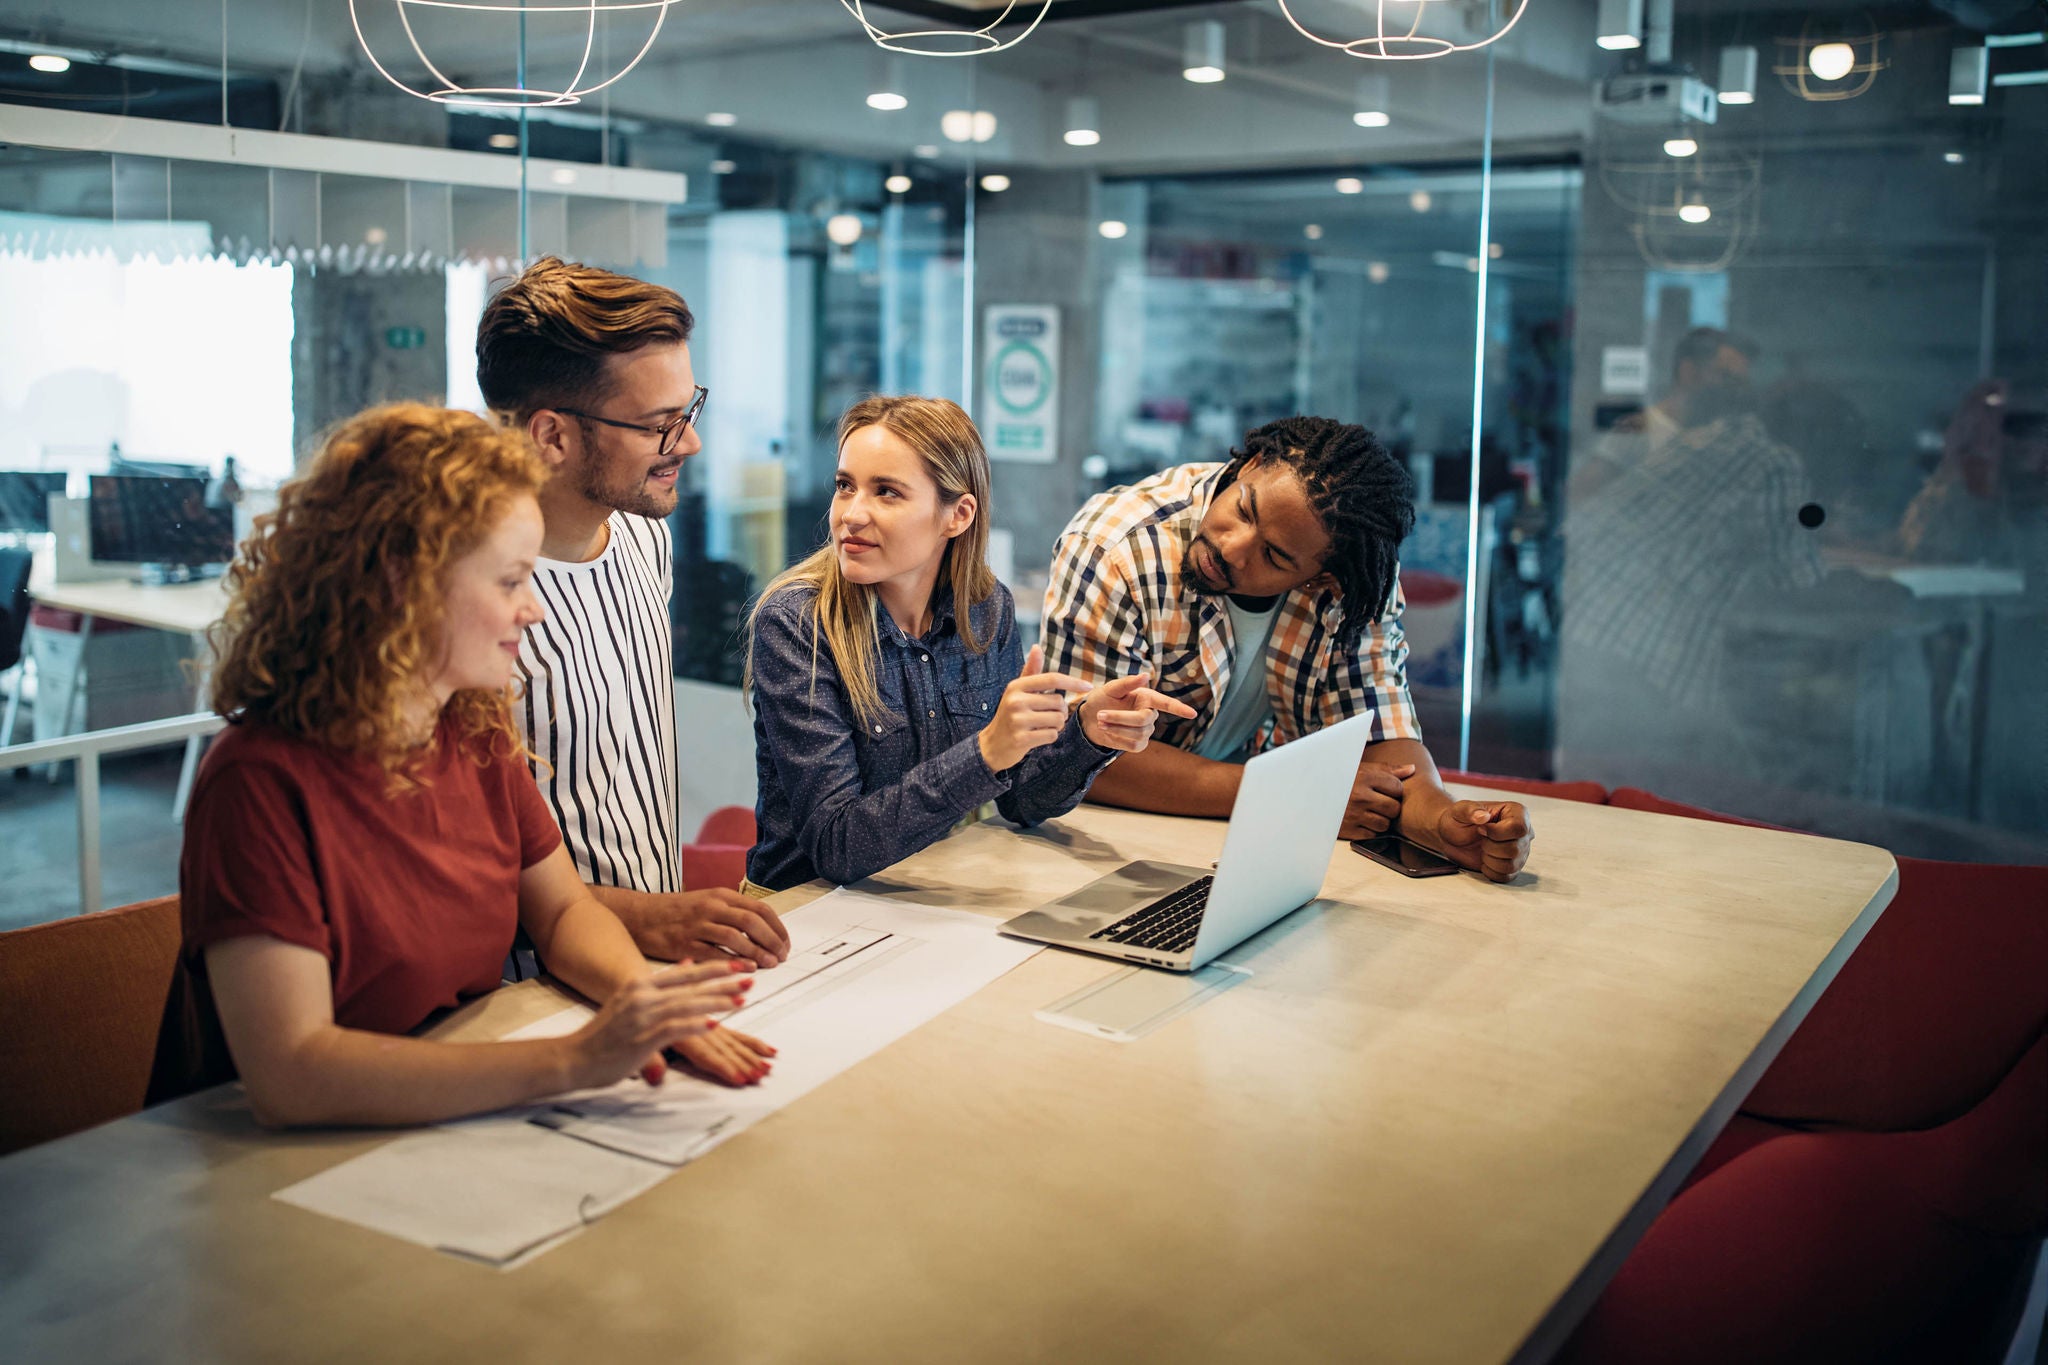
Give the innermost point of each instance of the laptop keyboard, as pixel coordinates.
(1167, 925)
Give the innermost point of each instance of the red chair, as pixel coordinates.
(1884, 1192)
(80, 1001)
(1635, 798)
(718, 856)
(1592, 793)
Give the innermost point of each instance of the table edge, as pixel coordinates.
(1570, 1308)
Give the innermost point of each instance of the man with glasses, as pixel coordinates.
(596, 367)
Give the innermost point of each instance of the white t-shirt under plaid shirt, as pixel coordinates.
(1117, 605)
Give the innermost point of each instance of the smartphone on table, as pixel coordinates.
(1408, 859)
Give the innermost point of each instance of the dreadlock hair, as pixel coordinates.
(1361, 494)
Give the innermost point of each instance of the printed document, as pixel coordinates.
(863, 971)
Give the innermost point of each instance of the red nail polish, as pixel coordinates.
(711, 1023)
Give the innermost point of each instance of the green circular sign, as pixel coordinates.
(1021, 378)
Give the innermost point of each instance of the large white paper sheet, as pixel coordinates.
(863, 971)
(495, 1190)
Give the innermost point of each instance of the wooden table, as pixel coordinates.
(1427, 1129)
(181, 608)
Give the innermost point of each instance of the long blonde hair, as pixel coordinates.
(843, 614)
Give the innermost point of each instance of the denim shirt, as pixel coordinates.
(842, 799)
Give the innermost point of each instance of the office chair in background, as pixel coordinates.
(14, 602)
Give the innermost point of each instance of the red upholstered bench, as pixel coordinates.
(1592, 793)
(1885, 1190)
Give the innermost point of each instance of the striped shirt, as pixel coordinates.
(1116, 606)
(599, 711)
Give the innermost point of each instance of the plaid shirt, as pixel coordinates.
(1666, 559)
(1116, 606)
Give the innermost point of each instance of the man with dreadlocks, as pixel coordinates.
(1263, 592)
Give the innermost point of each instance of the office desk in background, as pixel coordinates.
(1428, 1128)
(178, 608)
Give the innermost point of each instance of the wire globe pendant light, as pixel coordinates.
(571, 23)
(949, 42)
(1398, 36)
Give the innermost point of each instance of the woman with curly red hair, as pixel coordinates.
(365, 837)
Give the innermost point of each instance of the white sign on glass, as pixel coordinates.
(1020, 411)
(1625, 370)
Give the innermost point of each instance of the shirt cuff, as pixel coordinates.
(964, 771)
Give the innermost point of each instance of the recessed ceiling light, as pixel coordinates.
(1495, 250)
(721, 120)
(888, 101)
(504, 140)
(1350, 185)
(1314, 232)
(1081, 137)
(1680, 146)
(1112, 229)
(723, 167)
(1370, 118)
(843, 228)
(1376, 271)
(995, 184)
(1695, 210)
(967, 125)
(1953, 158)
(1420, 201)
(897, 184)
(50, 62)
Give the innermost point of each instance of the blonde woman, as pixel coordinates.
(885, 668)
(365, 837)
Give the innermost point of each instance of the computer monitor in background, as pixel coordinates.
(158, 469)
(25, 497)
(158, 522)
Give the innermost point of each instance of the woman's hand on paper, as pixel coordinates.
(727, 1055)
(663, 1009)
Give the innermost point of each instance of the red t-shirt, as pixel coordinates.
(412, 896)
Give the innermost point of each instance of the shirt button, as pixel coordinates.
(931, 713)
(878, 729)
(926, 657)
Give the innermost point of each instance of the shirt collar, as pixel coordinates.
(942, 619)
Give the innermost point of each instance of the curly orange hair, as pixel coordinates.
(336, 601)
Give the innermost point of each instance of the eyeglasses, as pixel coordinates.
(670, 433)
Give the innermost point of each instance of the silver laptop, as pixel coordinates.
(1282, 830)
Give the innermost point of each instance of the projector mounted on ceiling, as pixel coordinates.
(1665, 98)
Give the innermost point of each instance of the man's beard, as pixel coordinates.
(1191, 574)
(639, 501)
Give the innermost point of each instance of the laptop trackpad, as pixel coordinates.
(1122, 891)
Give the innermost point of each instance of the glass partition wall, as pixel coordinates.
(1724, 417)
